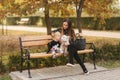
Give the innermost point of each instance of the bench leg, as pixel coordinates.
(28, 66)
(21, 64)
(94, 60)
(28, 63)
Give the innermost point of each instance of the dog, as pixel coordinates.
(64, 44)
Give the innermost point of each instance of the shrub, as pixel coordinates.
(106, 49)
(5, 77)
(2, 68)
(14, 63)
(86, 22)
(108, 52)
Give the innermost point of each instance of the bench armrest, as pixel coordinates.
(91, 44)
(25, 53)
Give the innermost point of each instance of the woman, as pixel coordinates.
(66, 29)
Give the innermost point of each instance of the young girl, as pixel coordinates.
(66, 29)
(55, 42)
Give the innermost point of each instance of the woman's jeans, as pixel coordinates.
(73, 54)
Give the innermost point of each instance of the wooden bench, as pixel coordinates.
(24, 21)
(29, 41)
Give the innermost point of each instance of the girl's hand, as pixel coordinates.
(52, 34)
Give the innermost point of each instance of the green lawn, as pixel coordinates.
(109, 64)
(5, 77)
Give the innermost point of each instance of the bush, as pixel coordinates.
(2, 68)
(108, 52)
(5, 77)
(106, 49)
(12, 20)
(14, 62)
(8, 47)
(86, 22)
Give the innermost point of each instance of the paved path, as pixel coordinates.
(68, 73)
(85, 32)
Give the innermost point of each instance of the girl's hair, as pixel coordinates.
(70, 31)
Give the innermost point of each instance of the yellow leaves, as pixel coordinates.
(17, 1)
(0, 6)
(62, 9)
(99, 8)
(71, 9)
(20, 1)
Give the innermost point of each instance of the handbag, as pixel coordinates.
(79, 42)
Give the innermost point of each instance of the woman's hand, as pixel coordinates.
(52, 34)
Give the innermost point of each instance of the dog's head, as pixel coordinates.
(64, 38)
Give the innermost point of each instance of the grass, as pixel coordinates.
(19, 33)
(102, 40)
(109, 64)
(5, 77)
(13, 34)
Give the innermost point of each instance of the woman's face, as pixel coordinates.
(65, 25)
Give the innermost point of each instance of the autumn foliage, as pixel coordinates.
(99, 9)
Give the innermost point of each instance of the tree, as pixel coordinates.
(47, 19)
(79, 6)
(99, 9)
(3, 12)
(27, 7)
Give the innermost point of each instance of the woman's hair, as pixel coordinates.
(69, 22)
(70, 31)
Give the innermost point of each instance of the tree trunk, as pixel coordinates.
(2, 27)
(79, 11)
(47, 19)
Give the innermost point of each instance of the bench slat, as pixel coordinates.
(43, 55)
(35, 43)
(34, 38)
(85, 51)
(24, 19)
(28, 41)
